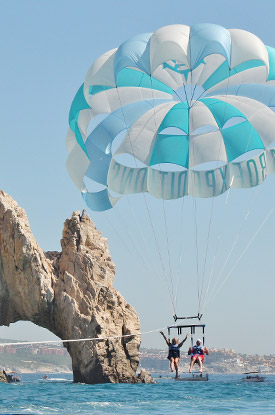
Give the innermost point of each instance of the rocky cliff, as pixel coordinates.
(70, 293)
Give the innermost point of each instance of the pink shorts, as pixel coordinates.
(198, 356)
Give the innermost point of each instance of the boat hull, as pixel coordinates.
(193, 378)
(254, 379)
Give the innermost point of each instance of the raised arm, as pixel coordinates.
(190, 350)
(184, 340)
(206, 351)
(165, 338)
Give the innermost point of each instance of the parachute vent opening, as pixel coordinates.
(189, 93)
(172, 131)
(204, 129)
(233, 121)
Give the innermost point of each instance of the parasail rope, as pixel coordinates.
(243, 253)
(81, 340)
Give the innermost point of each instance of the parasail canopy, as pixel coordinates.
(181, 111)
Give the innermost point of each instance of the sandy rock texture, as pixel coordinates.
(70, 293)
(3, 377)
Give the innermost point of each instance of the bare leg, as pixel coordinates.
(200, 364)
(192, 364)
(177, 366)
(172, 364)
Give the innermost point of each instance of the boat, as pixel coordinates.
(193, 377)
(251, 377)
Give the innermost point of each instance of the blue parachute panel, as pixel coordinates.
(95, 89)
(223, 72)
(262, 93)
(240, 139)
(172, 149)
(222, 111)
(131, 77)
(134, 53)
(271, 56)
(98, 201)
(99, 164)
(79, 103)
(207, 39)
(105, 132)
(177, 117)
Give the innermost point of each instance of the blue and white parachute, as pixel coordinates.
(191, 106)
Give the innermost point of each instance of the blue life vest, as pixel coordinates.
(197, 350)
(174, 351)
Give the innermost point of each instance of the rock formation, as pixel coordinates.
(70, 293)
(3, 377)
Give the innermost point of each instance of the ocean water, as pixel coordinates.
(222, 394)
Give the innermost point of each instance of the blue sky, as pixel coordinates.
(47, 48)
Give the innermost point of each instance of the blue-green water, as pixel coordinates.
(58, 395)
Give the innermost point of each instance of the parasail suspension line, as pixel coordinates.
(244, 251)
(146, 204)
(163, 207)
(244, 220)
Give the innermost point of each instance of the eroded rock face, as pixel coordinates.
(70, 293)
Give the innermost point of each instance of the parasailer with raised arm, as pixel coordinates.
(174, 351)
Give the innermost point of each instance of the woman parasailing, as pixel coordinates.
(174, 352)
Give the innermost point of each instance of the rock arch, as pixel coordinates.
(69, 293)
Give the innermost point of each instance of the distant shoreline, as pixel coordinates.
(48, 358)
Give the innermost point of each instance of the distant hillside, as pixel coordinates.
(218, 361)
(34, 358)
(55, 358)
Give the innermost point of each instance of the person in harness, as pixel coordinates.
(197, 353)
(174, 352)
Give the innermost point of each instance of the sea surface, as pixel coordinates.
(222, 394)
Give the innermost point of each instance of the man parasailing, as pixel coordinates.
(174, 352)
(197, 353)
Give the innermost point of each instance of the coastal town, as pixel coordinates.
(55, 358)
(218, 361)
